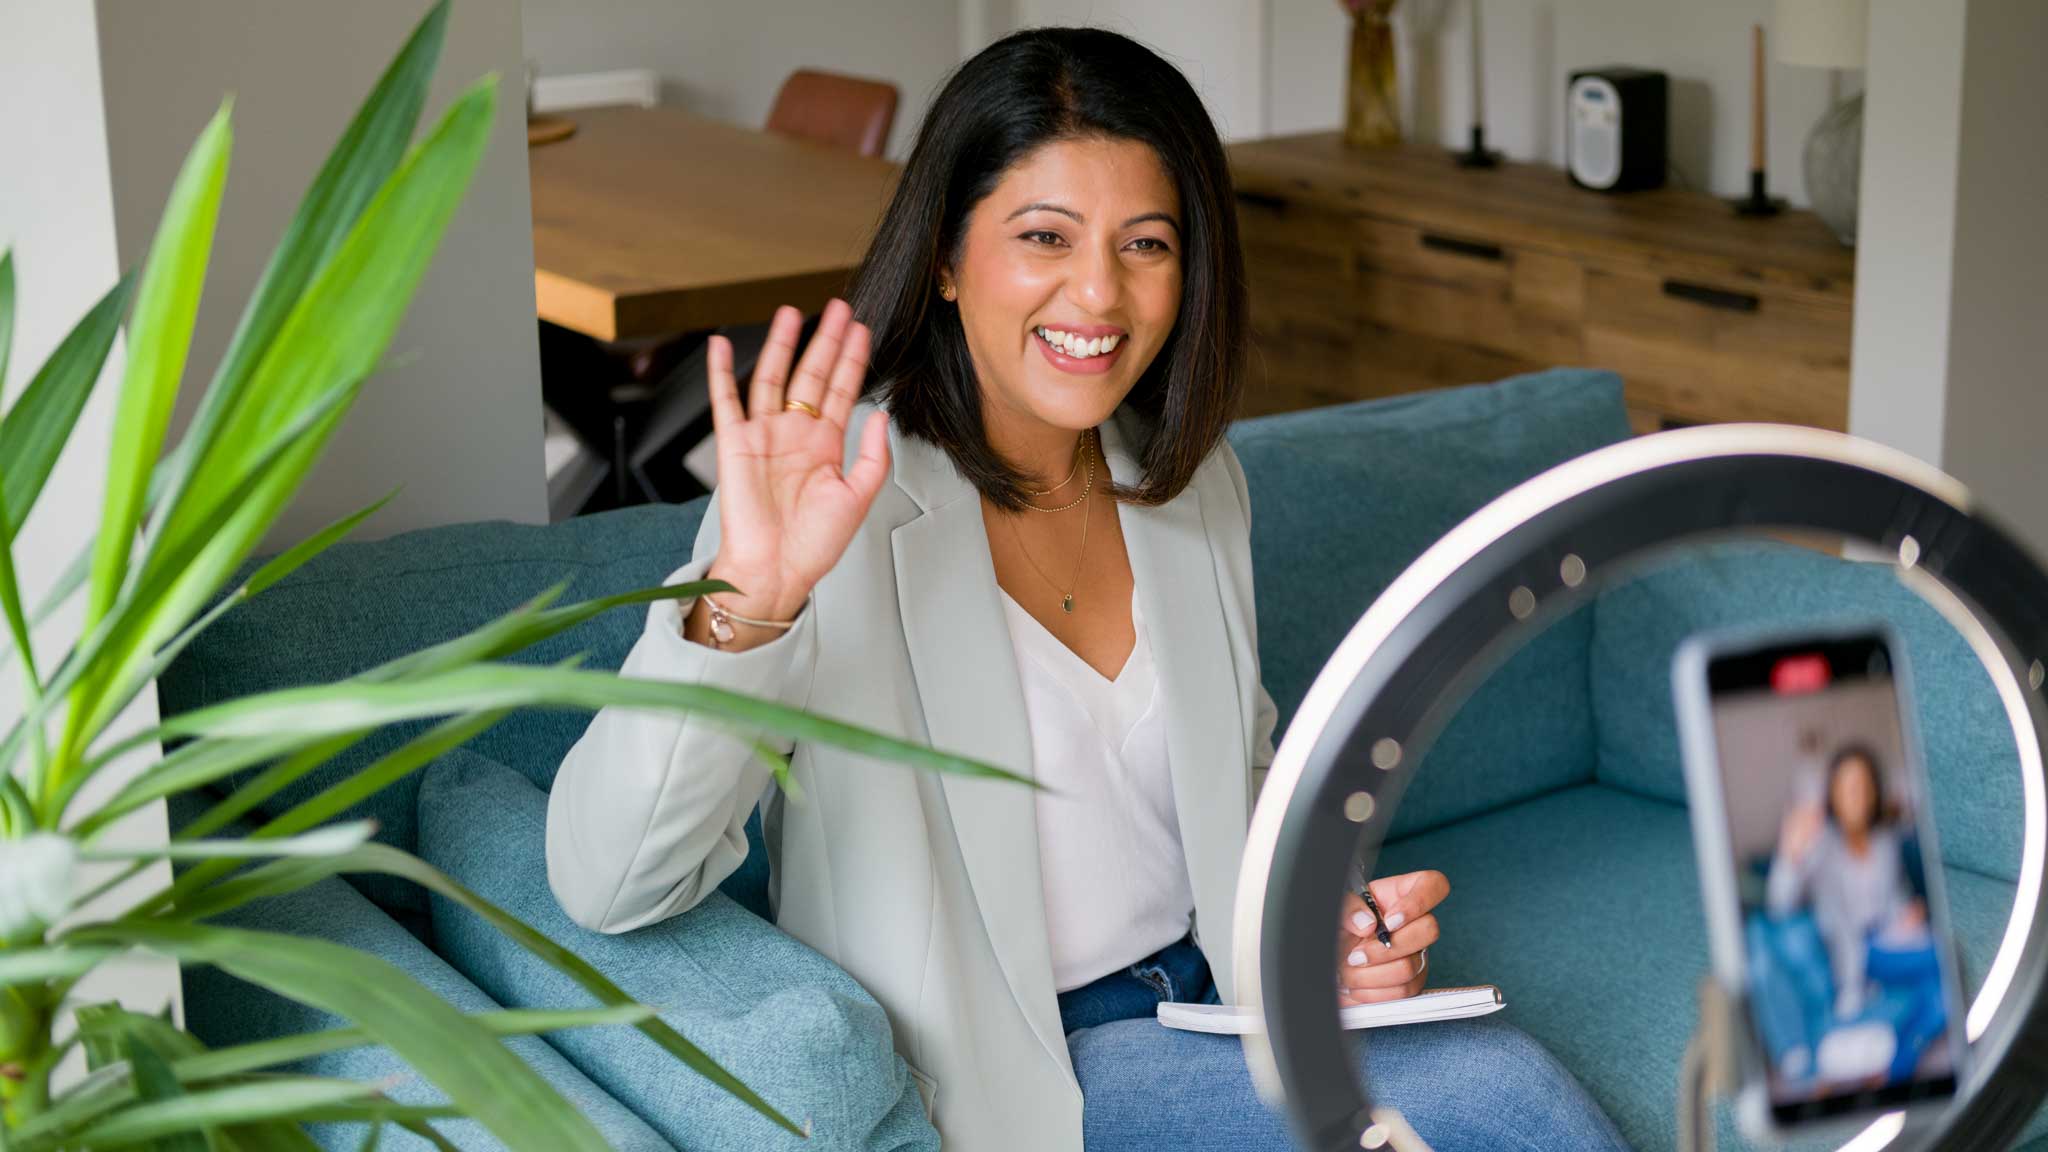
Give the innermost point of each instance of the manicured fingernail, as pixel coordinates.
(1395, 920)
(1362, 922)
(1356, 958)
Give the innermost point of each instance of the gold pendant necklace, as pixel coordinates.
(1067, 593)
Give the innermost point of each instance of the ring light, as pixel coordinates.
(1531, 554)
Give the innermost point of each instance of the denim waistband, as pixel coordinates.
(1177, 973)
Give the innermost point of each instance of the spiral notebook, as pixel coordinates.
(1422, 1008)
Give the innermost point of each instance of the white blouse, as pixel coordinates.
(1109, 852)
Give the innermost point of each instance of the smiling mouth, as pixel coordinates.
(1078, 347)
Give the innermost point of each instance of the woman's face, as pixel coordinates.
(1852, 794)
(1068, 281)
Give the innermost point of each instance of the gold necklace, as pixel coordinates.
(1071, 472)
(1067, 593)
(1090, 457)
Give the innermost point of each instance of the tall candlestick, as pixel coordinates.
(1477, 156)
(1759, 202)
(1756, 98)
(1478, 73)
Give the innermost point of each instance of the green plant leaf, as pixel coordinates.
(357, 167)
(354, 704)
(330, 841)
(6, 311)
(10, 600)
(273, 1099)
(260, 1054)
(154, 1081)
(289, 561)
(479, 1076)
(338, 329)
(53, 962)
(159, 337)
(285, 876)
(99, 666)
(37, 426)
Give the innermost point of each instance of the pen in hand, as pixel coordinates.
(1379, 923)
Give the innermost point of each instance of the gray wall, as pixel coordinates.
(727, 60)
(455, 417)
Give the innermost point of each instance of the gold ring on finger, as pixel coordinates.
(800, 406)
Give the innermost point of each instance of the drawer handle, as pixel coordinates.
(1712, 297)
(1478, 250)
(1263, 200)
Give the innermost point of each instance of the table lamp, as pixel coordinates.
(1829, 34)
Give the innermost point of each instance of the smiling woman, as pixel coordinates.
(996, 512)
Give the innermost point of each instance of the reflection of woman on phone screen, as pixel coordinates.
(1843, 856)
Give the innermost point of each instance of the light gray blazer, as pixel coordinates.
(925, 887)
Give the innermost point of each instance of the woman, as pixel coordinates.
(1040, 557)
(1844, 857)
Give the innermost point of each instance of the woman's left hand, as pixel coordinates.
(1368, 971)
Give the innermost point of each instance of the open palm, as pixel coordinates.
(785, 507)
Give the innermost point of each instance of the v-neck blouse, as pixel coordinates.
(1110, 860)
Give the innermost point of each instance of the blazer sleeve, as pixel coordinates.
(1265, 714)
(649, 810)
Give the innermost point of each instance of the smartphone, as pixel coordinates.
(1820, 874)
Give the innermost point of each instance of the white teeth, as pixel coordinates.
(1078, 347)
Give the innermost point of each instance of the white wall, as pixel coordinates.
(1906, 224)
(1998, 412)
(727, 60)
(455, 418)
(57, 216)
(1531, 46)
(1950, 301)
(1219, 44)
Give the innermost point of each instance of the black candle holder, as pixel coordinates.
(1477, 155)
(1759, 202)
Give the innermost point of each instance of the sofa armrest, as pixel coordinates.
(222, 1010)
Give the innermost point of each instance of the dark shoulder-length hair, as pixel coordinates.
(1026, 90)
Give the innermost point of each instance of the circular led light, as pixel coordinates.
(1525, 558)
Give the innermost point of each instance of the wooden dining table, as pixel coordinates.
(655, 221)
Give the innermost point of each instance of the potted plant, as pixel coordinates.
(313, 331)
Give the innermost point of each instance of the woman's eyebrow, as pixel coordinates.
(1046, 206)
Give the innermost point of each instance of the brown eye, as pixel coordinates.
(1042, 237)
(1156, 245)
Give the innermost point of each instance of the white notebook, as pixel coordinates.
(1435, 1004)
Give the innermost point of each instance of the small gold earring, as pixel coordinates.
(948, 291)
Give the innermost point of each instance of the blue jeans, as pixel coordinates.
(1465, 1085)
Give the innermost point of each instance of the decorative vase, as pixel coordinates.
(1372, 110)
(1834, 165)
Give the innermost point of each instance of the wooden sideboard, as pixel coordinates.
(1382, 272)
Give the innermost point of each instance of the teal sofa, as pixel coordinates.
(1554, 799)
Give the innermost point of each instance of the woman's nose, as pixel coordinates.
(1097, 281)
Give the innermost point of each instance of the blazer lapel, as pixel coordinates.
(1175, 573)
(966, 672)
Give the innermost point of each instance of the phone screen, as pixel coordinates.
(1849, 982)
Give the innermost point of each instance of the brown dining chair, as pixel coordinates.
(835, 109)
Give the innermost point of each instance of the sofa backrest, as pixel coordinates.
(1345, 498)
(360, 604)
(1972, 762)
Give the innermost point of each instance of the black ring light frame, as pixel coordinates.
(1530, 555)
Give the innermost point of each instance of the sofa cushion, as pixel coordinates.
(783, 1019)
(1972, 762)
(360, 604)
(1344, 498)
(1584, 907)
(222, 1011)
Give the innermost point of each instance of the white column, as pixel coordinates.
(1950, 303)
